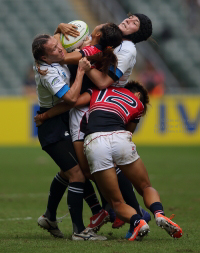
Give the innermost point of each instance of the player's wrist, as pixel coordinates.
(44, 116)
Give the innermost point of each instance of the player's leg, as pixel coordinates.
(108, 184)
(137, 174)
(64, 155)
(98, 149)
(129, 196)
(100, 216)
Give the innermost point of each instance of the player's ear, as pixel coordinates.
(137, 94)
(98, 35)
(43, 58)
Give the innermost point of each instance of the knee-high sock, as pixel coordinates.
(57, 190)
(75, 205)
(91, 197)
(127, 191)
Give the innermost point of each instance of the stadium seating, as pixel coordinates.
(20, 22)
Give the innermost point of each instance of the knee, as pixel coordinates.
(75, 175)
(116, 204)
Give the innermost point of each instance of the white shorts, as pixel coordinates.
(103, 149)
(76, 118)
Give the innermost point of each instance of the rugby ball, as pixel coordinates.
(73, 42)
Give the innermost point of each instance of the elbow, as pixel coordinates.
(72, 101)
(103, 85)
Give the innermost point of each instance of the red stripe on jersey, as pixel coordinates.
(91, 50)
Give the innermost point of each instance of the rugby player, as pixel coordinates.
(136, 28)
(52, 81)
(107, 142)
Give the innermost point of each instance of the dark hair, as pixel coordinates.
(38, 50)
(135, 86)
(111, 37)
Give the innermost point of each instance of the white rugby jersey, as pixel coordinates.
(52, 86)
(126, 55)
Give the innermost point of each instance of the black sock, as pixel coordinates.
(126, 189)
(75, 205)
(156, 207)
(103, 201)
(57, 190)
(91, 197)
(134, 220)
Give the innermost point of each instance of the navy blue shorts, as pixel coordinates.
(63, 153)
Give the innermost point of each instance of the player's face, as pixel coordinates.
(130, 25)
(96, 30)
(54, 51)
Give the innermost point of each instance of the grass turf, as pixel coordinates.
(26, 174)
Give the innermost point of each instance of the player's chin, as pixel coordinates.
(122, 28)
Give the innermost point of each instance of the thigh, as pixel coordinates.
(108, 184)
(82, 160)
(137, 174)
(63, 154)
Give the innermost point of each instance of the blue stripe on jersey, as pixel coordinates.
(62, 91)
(118, 72)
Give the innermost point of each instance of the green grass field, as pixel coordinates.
(26, 174)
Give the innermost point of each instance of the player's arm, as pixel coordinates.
(58, 109)
(67, 29)
(101, 80)
(70, 58)
(70, 97)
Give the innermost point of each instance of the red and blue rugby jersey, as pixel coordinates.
(111, 109)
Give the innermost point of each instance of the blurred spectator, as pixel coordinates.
(153, 80)
(29, 83)
(193, 7)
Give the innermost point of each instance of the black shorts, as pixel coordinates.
(63, 153)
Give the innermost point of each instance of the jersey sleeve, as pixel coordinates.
(89, 50)
(124, 57)
(89, 91)
(55, 84)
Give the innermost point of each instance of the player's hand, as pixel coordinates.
(40, 118)
(86, 42)
(84, 64)
(67, 29)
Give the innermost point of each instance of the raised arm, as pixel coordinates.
(67, 29)
(101, 80)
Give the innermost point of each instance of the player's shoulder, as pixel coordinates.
(126, 47)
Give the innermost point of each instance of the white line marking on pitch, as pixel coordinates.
(14, 219)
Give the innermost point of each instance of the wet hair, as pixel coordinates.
(135, 86)
(111, 37)
(38, 50)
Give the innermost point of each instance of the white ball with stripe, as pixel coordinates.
(73, 42)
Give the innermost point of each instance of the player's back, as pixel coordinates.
(111, 109)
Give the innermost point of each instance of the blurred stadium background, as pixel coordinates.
(168, 66)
